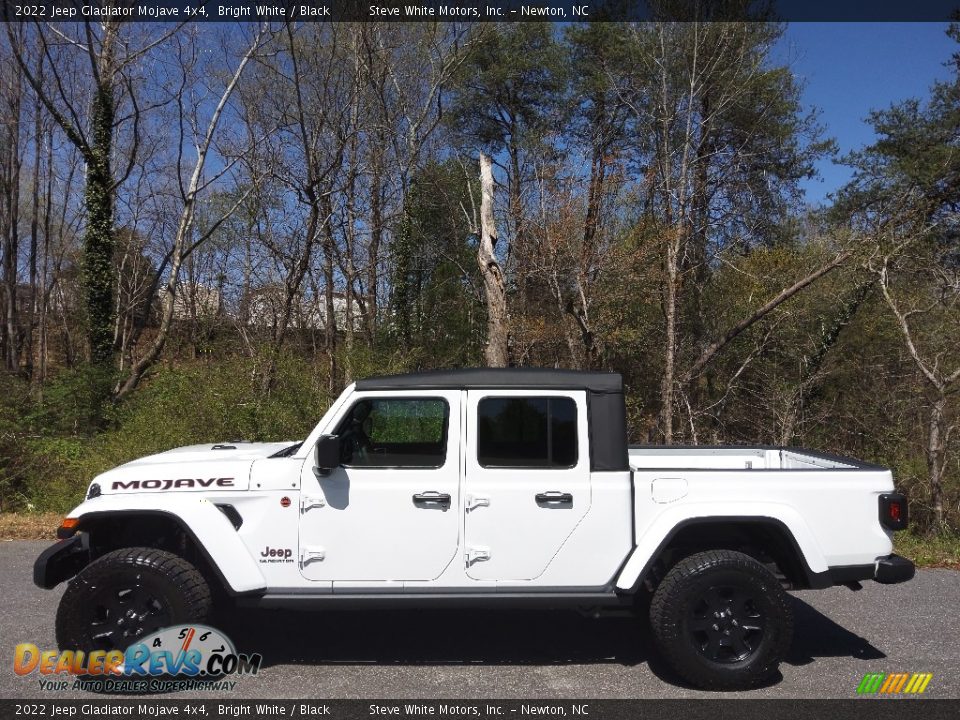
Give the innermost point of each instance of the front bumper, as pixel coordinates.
(61, 561)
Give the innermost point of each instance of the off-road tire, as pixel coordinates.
(701, 612)
(127, 594)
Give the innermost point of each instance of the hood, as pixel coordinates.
(221, 466)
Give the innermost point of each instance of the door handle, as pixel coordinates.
(471, 502)
(431, 499)
(310, 554)
(554, 498)
(307, 503)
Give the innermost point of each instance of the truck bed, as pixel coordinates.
(829, 502)
(725, 457)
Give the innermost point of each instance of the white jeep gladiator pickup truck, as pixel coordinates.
(506, 488)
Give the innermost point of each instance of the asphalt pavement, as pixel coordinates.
(840, 636)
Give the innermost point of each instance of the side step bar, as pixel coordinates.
(345, 601)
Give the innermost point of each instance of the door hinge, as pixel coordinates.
(311, 554)
(475, 501)
(477, 554)
(308, 502)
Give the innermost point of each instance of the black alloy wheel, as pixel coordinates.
(123, 612)
(721, 620)
(726, 624)
(128, 594)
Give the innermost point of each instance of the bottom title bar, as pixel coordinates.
(102, 707)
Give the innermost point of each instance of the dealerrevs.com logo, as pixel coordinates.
(182, 657)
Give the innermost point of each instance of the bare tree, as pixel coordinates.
(306, 93)
(928, 320)
(705, 105)
(11, 162)
(495, 293)
(107, 86)
(185, 241)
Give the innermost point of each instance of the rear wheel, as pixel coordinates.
(721, 620)
(127, 594)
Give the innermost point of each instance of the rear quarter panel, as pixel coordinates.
(832, 514)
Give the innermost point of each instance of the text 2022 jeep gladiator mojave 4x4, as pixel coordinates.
(505, 488)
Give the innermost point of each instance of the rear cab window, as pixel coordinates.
(527, 432)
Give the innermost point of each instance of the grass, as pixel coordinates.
(941, 551)
(29, 526)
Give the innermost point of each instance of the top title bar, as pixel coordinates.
(477, 11)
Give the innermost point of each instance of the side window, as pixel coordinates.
(534, 432)
(395, 432)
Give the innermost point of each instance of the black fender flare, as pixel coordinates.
(811, 579)
(64, 559)
(61, 561)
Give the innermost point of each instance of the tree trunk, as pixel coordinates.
(10, 215)
(591, 223)
(34, 237)
(330, 321)
(48, 282)
(376, 238)
(99, 237)
(496, 352)
(936, 455)
(670, 328)
(518, 252)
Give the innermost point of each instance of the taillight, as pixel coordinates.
(893, 511)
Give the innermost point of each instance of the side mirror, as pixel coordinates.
(326, 455)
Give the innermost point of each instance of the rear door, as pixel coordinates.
(390, 511)
(527, 482)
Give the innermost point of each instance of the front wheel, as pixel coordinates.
(721, 620)
(127, 594)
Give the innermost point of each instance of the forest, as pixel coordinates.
(208, 230)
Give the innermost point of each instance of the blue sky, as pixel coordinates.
(852, 68)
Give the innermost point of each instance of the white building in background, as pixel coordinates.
(265, 308)
(195, 300)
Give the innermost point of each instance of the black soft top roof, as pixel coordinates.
(495, 378)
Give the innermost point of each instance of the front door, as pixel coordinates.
(527, 482)
(390, 511)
